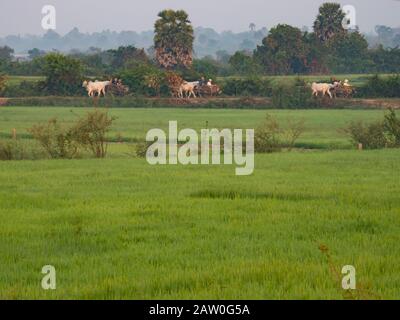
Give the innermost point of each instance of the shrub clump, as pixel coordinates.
(266, 139)
(57, 140)
(12, 149)
(271, 137)
(88, 133)
(378, 87)
(370, 136)
(392, 128)
(251, 86)
(378, 134)
(296, 95)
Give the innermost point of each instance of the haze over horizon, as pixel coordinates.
(21, 17)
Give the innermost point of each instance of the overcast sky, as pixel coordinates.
(24, 16)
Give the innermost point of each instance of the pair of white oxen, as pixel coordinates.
(317, 88)
(326, 88)
(189, 88)
(98, 87)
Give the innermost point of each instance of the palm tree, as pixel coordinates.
(173, 39)
(252, 26)
(329, 21)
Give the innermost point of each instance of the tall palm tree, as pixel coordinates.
(329, 21)
(173, 39)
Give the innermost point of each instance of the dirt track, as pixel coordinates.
(378, 103)
(214, 102)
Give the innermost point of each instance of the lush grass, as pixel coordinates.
(120, 228)
(323, 127)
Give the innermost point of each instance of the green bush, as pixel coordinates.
(370, 136)
(90, 132)
(207, 68)
(56, 140)
(12, 149)
(137, 80)
(376, 135)
(271, 137)
(295, 95)
(267, 136)
(295, 128)
(247, 87)
(392, 128)
(381, 87)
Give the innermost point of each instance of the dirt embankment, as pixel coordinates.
(378, 103)
(214, 102)
(3, 101)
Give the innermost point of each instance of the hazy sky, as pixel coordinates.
(24, 16)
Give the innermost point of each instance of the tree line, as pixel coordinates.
(285, 50)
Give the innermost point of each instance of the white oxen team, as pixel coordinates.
(186, 89)
(189, 89)
(324, 88)
(328, 88)
(98, 87)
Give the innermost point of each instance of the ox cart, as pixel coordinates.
(118, 89)
(344, 91)
(207, 90)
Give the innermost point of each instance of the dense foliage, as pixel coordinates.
(63, 74)
(65, 142)
(377, 86)
(378, 134)
(284, 50)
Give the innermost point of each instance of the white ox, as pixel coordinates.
(324, 88)
(188, 88)
(97, 86)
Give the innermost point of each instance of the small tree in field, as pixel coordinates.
(90, 132)
(173, 40)
(57, 140)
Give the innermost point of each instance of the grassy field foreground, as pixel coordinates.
(119, 228)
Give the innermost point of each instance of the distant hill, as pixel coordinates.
(207, 41)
